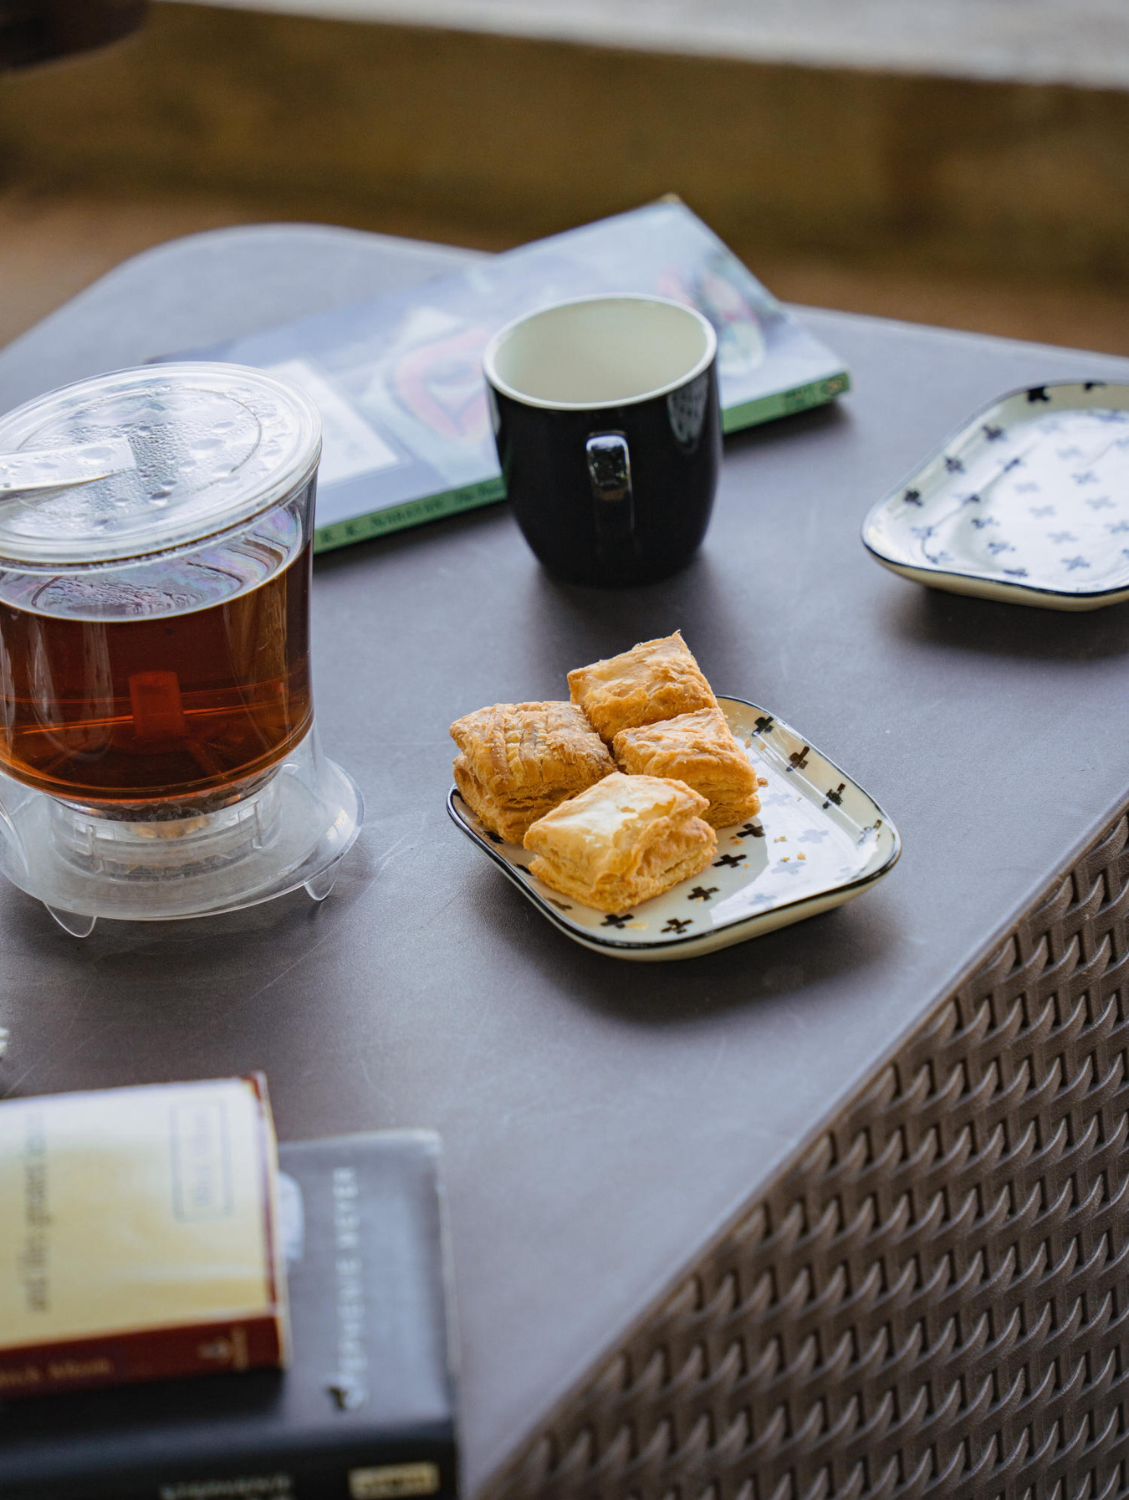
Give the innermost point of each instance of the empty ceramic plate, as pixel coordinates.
(818, 840)
(1028, 502)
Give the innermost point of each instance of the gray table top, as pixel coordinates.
(601, 1120)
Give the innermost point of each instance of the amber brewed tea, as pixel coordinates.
(160, 705)
(159, 757)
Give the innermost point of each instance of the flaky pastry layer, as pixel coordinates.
(701, 750)
(508, 820)
(654, 680)
(519, 760)
(623, 841)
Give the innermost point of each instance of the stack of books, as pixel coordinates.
(148, 1346)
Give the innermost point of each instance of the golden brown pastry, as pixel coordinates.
(520, 759)
(654, 680)
(624, 840)
(700, 750)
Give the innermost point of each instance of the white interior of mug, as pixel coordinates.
(600, 351)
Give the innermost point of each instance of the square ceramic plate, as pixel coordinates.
(1028, 502)
(818, 841)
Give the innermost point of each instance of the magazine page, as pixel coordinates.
(399, 381)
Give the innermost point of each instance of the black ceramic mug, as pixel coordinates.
(608, 427)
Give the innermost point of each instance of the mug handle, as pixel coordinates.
(609, 472)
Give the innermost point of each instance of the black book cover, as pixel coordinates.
(366, 1411)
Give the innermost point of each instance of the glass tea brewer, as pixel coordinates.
(158, 752)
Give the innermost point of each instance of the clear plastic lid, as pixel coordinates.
(142, 461)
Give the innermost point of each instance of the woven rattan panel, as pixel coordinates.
(932, 1301)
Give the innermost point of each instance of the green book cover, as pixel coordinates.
(398, 379)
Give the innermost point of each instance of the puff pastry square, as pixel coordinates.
(700, 750)
(654, 680)
(624, 840)
(519, 760)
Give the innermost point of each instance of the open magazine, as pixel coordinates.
(399, 383)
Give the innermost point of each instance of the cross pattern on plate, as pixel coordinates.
(818, 839)
(1032, 494)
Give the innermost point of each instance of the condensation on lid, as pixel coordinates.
(195, 448)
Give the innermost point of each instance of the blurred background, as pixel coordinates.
(958, 162)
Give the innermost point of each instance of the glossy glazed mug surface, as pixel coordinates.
(608, 426)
